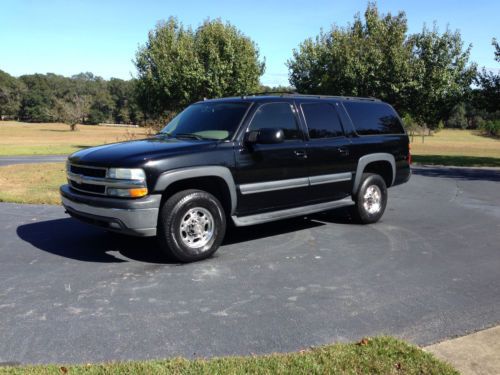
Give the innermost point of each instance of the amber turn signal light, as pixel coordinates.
(138, 192)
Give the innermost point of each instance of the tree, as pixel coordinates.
(11, 90)
(488, 95)
(458, 117)
(178, 66)
(442, 73)
(424, 74)
(38, 102)
(72, 111)
(366, 58)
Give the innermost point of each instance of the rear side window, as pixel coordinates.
(276, 116)
(322, 120)
(373, 118)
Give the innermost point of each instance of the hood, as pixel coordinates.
(136, 153)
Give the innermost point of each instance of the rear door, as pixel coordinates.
(330, 160)
(272, 176)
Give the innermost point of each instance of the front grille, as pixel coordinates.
(86, 171)
(94, 180)
(96, 189)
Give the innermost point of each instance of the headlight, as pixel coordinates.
(126, 174)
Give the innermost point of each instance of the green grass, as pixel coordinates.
(382, 355)
(457, 160)
(457, 147)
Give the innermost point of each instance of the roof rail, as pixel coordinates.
(319, 96)
(270, 93)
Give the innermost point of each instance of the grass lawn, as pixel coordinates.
(32, 183)
(383, 355)
(20, 138)
(457, 147)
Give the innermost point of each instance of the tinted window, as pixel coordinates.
(373, 118)
(276, 116)
(210, 120)
(322, 120)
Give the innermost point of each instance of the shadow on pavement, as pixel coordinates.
(470, 174)
(75, 240)
(72, 239)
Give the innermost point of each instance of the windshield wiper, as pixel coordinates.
(188, 135)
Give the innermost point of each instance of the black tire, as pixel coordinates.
(366, 209)
(183, 217)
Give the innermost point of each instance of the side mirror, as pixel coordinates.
(265, 136)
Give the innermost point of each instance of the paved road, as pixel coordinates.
(429, 270)
(32, 159)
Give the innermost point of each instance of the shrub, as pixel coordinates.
(491, 127)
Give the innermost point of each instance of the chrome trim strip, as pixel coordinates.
(243, 221)
(86, 166)
(261, 187)
(293, 183)
(108, 182)
(330, 178)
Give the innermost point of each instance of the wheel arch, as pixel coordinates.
(216, 180)
(382, 163)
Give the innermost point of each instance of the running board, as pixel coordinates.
(243, 221)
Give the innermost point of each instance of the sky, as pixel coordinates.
(102, 37)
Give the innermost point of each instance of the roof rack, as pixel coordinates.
(296, 94)
(282, 93)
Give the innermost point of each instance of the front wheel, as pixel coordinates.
(191, 225)
(370, 199)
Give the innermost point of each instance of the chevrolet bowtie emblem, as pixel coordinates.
(78, 179)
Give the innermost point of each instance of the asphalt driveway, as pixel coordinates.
(31, 159)
(429, 270)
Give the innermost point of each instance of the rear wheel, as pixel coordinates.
(371, 199)
(191, 225)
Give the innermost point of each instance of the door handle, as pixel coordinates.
(343, 151)
(300, 154)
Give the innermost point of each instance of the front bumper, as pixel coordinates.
(138, 217)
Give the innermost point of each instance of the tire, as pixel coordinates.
(191, 225)
(370, 199)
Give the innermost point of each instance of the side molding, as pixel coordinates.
(172, 176)
(370, 158)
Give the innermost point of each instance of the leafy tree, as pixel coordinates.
(458, 117)
(38, 103)
(74, 110)
(177, 65)
(366, 58)
(442, 73)
(488, 95)
(11, 90)
(424, 74)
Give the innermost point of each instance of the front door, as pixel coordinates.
(272, 176)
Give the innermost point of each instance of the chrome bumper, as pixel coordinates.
(135, 217)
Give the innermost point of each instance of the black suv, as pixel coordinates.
(242, 160)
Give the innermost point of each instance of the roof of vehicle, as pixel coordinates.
(271, 96)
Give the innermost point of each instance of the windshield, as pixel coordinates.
(207, 121)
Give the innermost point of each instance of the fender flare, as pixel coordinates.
(169, 177)
(370, 158)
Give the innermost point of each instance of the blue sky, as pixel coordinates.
(68, 37)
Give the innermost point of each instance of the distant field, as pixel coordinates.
(20, 138)
(457, 147)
